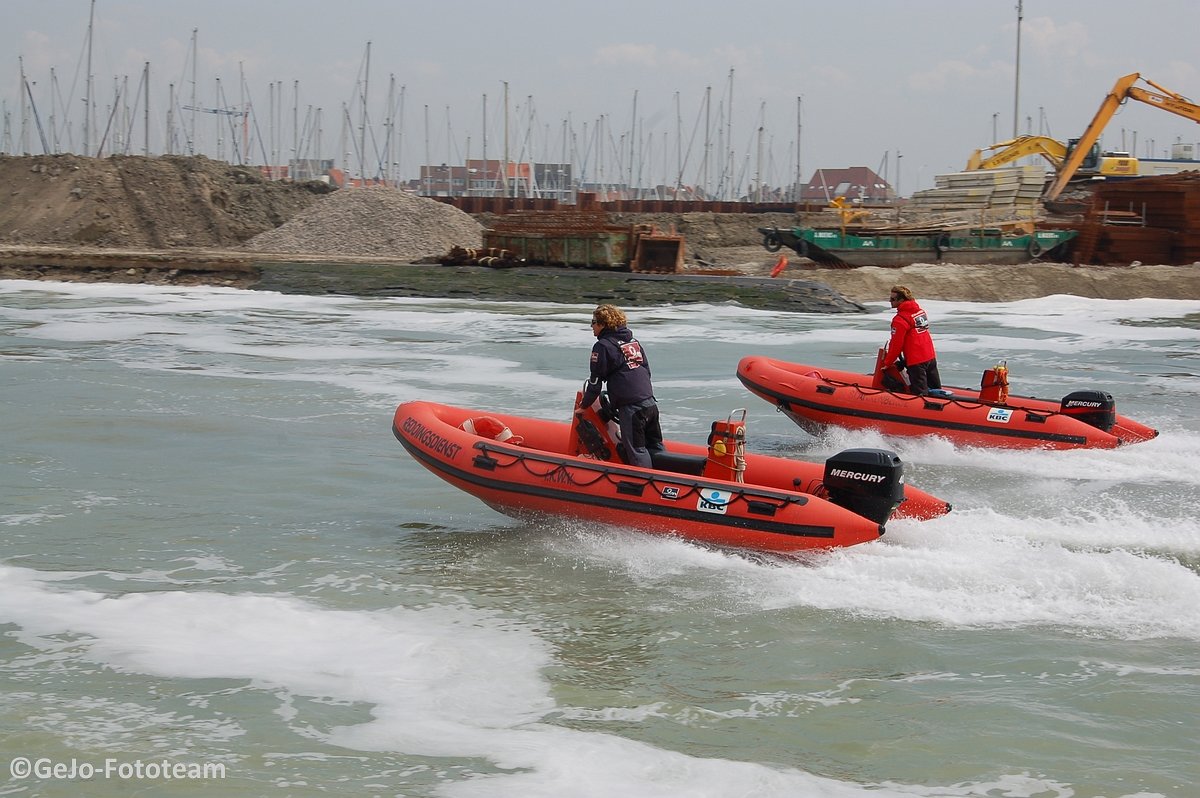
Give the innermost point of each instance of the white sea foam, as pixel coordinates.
(446, 681)
(968, 570)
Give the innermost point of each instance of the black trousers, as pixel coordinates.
(640, 432)
(922, 377)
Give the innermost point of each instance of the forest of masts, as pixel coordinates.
(698, 158)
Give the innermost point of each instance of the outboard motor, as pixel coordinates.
(869, 482)
(1095, 408)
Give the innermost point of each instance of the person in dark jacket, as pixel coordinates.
(911, 341)
(620, 362)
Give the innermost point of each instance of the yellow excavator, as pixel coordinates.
(1123, 90)
(1055, 153)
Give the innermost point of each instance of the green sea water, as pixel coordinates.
(214, 553)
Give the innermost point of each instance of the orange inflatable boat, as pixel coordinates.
(715, 493)
(816, 397)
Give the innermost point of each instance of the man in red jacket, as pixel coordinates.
(911, 346)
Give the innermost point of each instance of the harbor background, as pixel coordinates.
(193, 220)
(215, 551)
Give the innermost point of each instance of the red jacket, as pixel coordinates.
(910, 335)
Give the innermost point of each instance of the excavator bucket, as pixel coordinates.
(655, 252)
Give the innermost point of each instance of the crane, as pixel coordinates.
(226, 111)
(244, 114)
(1122, 90)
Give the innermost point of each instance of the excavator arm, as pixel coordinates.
(1167, 101)
(1014, 149)
(1124, 88)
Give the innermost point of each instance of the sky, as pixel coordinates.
(657, 91)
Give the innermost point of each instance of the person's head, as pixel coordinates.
(607, 317)
(900, 294)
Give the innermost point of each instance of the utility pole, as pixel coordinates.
(487, 172)
(1017, 70)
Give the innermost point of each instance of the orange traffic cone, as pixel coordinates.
(780, 265)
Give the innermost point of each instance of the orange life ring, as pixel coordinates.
(488, 427)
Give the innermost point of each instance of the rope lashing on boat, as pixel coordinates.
(727, 445)
(739, 458)
(569, 473)
(738, 469)
(954, 400)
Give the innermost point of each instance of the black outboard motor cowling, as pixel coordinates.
(869, 482)
(1095, 408)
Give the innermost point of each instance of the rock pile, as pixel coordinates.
(373, 221)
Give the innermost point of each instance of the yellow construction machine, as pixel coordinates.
(1055, 153)
(1123, 90)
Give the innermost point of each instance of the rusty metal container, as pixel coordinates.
(584, 238)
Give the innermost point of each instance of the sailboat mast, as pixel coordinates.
(729, 138)
(400, 137)
(295, 124)
(146, 110)
(707, 140)
(632, 143)
(428, 161)
(678, 147)
(758, 176)
(390, 126)
(362, 146)
(87, 104)
(504, 173)
(23, 137)
(192, 135)
(53, 113)
(799, 174)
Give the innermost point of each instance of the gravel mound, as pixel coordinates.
(374, 221)
(137, 202)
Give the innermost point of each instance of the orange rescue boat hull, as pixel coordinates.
(816, 398)
(779, 507)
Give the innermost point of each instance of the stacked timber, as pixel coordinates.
(1152, 220)
(1014, 187)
